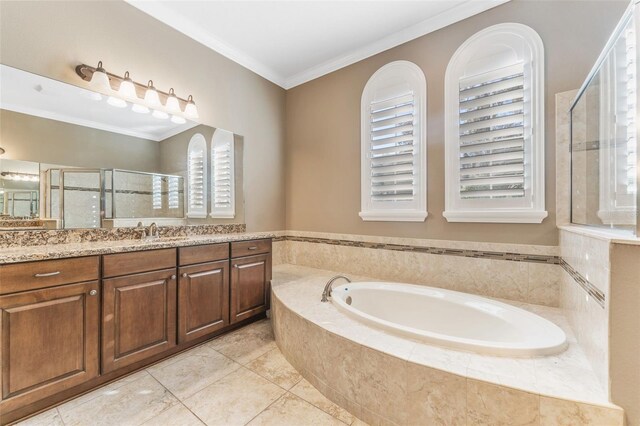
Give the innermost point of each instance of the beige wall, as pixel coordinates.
(31, 138)
(173, 160)
(624, 342)
(51, 38)
(323, 123)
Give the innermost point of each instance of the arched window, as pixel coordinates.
(197, 177)
(394, 144)
(494, 127)
(222, 175)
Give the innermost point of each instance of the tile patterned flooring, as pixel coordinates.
(240, 378)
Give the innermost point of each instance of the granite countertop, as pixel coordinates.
(59, 251)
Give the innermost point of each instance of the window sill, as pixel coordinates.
(222, 216)
(197, 215)
(386, 216)
(508, 216)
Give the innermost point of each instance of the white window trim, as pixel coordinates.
(455, 211)
(221, 136)
(197, 142)
(404, 69)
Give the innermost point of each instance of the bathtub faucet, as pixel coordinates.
(327, 288)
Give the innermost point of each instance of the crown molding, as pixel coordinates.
(451, 16)
(160, 12)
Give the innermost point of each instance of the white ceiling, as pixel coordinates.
(28, 93)
(291, 42)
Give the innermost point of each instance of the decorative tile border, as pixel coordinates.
(587, 286)
(593, 291)
(67, 236)
(479, 254)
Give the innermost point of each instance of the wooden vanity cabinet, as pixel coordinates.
(139, 309)
(48, 337)
(203, 291)
(63, 331)
(250, 279)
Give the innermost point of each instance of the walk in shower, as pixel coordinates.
(604, 136)
(86, 198)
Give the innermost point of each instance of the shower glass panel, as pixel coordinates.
(147, 195)
(604, 147)
(81, 192)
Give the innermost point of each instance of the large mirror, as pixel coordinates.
(72, 159)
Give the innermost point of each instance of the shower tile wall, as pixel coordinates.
(590, 321)
(480, 272)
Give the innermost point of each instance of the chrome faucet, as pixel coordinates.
(148, 233)
(152, 231)
(327, 288)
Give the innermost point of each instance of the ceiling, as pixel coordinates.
(292, 42)
(32, 94)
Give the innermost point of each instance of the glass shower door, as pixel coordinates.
(81, 198)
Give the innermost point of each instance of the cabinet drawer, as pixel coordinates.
(250, 248)
(202, 254)
(114, 265)
(47, 273)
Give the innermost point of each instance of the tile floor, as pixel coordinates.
(238, 379)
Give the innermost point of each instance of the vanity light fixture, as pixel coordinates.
(173, 105)
(151, 97)
(99, 81)
(190, 111)
(123, 89)
(127, 89)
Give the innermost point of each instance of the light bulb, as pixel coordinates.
(173, 105)
(190, 111)
(140, 109)
(160, 114)
(127, 88)
(177, 119)
(116, 102)
(100, 80)
(151, 97)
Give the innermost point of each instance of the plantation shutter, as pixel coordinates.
(392, 149)
(174, 192)
(196, 180)
(157, 192)
(492, 134)
(222, 175)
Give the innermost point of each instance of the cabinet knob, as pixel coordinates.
(236, 266)
(173, 277)
(253, 248)
(184, 275)
(93, 292)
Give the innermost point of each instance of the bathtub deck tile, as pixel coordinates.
(532, 375)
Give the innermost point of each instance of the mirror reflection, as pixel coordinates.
(74, 161)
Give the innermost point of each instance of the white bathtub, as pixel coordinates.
(450, 318)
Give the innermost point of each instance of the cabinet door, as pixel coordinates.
(203, 299)
(49, 341)
(250, 280)
(138, 317)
